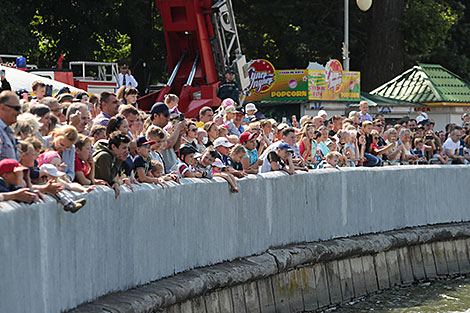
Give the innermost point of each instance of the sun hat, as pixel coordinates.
(222, 141)
(51, 170)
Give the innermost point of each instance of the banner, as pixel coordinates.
(332, 84)
(269, 84)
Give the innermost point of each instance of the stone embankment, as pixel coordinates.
(53, 261)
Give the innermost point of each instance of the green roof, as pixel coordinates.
(375, 100)
(426, 83)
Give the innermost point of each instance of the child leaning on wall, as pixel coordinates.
(51, 164)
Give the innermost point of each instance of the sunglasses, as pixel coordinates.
(14, 107)
(193, 130)
(379, 125)
(376, 137)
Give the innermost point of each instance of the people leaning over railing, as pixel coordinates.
(63, 144)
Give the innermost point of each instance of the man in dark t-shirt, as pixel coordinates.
(229, 88)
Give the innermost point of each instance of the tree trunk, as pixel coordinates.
(385, 50)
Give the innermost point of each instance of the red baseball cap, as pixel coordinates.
(244, 137)
(10, 165)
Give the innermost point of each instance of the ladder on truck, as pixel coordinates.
(202, 41)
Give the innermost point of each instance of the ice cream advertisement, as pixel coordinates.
(331, 84)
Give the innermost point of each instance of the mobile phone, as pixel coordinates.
(181, 117)
(429, 137)
(2, 73)
(284, 119)
(48, 90)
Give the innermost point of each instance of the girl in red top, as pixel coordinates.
(84, 165)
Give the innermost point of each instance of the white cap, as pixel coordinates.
(218, 163)
(281, 126)
(51, 170)
(419, 118)
(222, 141)
(250, 107)
(322, 112)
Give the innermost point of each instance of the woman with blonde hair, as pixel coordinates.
(27, 125)
(63, 140)
(307, 134)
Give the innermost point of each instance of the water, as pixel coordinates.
(443, 296)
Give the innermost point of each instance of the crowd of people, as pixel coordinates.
(75, 142)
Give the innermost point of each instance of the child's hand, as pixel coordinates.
(89, 189)
(52, 187)
(101, 182)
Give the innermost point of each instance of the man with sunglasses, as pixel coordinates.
(10, 108)
(379, 126)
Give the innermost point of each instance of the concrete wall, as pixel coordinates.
(52, 260)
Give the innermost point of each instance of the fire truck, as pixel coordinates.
(202, 41)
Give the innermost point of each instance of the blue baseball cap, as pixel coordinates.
(143, 141)
(159, 108)
(286, 147)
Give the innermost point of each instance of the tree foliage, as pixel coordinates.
(288, 33)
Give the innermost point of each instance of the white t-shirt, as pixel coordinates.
(451, 145)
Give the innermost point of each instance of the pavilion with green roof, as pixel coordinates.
(429, 84)
(443, 95)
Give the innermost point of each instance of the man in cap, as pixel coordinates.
(11, 182)
(160, 116)
(125, 77)
(235, 125)
(222, 145)
(229, 88)
(279, 159)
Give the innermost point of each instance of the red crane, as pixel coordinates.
(201, 40)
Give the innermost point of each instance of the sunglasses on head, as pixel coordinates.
(14, 107)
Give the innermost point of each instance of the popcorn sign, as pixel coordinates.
(262, 76)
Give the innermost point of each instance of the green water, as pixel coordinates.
(440, 296)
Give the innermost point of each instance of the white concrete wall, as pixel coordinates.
(52, 260)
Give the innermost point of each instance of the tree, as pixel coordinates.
(15, 34)
(384, 57)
